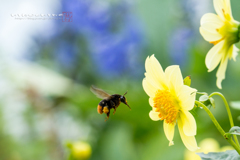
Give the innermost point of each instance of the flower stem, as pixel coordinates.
(218, 126)
(229, 113)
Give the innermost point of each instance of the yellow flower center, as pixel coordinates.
(229, 30)
(166, 105)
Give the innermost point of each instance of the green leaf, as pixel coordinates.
(203, 98)
(187, 81)
(234, 130)
(235, 104)
(228, 155)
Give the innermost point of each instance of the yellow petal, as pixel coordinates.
(221, 72)
(223, 9)
(151, 80)
(211, 18)
(154, 72)
(186, 97)
(214, 56)
(151, 101)
(188, 141)
(169, 131)
(149, 88)
(174, 77)
(188, 122)
(150, 77)
(154, 115)
(219, 7)
(234, 52)
(209, 36)
(228, 8)
(156, 65)
(211, 27)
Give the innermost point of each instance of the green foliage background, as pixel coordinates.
(128, 135)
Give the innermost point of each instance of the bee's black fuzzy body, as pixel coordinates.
(107, 104)
(109, 101)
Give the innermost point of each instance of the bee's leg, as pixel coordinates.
(114, 107)
(108, 114)
(114, 110)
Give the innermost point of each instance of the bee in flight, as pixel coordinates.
(109, 101)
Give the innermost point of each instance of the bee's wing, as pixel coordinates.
(99, 92)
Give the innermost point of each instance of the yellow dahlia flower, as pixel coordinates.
(223, 31)
(171, 101)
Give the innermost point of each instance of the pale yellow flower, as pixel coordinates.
(207, 145)
(223, 31)
(171, 101)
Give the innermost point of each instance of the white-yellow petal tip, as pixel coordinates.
(171, 143)
(219, 83)
(154, 115)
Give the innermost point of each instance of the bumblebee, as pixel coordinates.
(109, 101)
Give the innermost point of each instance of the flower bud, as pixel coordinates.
(80, 150)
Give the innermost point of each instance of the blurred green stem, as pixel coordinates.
(218, 126)
(229, 113)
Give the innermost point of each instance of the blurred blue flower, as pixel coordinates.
(89, 16)
(179, 45)
(112, 32)
(107, 33)
(119, 53)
